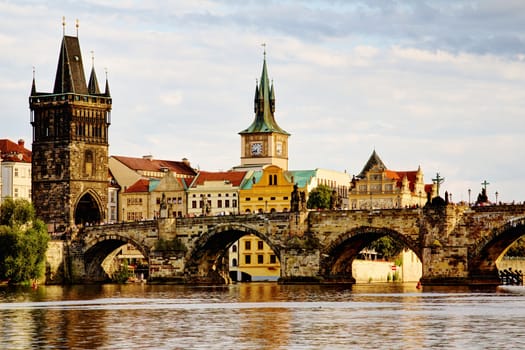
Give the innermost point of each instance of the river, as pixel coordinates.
(259, 316)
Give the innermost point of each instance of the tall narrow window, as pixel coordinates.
(88, 163)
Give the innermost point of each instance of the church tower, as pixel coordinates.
(264, 142)
(70, 144)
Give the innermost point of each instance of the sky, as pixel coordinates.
(436, 84)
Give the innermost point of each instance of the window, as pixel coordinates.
(219, 203)
(247, 259)
(16, 193)
(226, 203)
(234, 248)
(260, 245)
(194, 204)
(273, 259)
(234, 262)
(247, 245)
(88, 163)
(16, 172)
(234, 203)
(260, 259)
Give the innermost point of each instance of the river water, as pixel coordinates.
(260, 316)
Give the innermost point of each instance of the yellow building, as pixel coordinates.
(265, 191)
(377, 187)
(251, 259)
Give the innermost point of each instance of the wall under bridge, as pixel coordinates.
(456, 244)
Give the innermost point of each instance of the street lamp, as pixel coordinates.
(469, 197)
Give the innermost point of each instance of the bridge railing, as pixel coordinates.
(207, 220)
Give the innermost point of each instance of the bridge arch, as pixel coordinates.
(488, 249)
(336, 257)
(204, 261)
(97, 249)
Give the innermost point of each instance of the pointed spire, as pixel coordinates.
(106, 91)
(93, 82)
(33, 86)
(264, 105)
(70, 71)
(256, 98)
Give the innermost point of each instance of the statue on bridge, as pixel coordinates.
(298, 200)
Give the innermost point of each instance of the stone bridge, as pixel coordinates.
(456, 244)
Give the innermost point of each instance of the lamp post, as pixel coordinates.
(469, 190)
(497, 197)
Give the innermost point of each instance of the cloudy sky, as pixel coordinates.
(440, 84)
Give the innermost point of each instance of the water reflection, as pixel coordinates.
(258, 316)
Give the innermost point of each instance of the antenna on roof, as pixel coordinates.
(64, 25)
(76, 25)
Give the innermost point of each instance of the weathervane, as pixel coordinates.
(438, 181)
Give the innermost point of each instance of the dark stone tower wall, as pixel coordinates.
(70, 145)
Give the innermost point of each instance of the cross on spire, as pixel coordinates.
(438, 181)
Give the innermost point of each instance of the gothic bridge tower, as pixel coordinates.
(264, 142)
(70, 144)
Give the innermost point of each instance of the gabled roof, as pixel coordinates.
(14, 152)
(234, 177)
(155, 165)
(264, 121)
(251, 179)
(374, 160)
(70, 71)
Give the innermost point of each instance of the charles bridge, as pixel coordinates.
(456, 244)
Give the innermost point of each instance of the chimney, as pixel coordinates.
(186, 161)
(21, 143)
(148, 157)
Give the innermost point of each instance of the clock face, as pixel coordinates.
(256, 148)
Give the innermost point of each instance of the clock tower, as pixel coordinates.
(264, 142)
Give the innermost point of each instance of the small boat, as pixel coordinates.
(511, 289)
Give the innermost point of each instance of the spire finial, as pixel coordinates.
(33, 72)
(106, 72)
(76, 25)
(64, 25)
(92, 58)
(264, 49)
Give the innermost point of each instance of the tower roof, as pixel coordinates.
(264, 121)
(70, 71)
(93, 83)
(374, 160)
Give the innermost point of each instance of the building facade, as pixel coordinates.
(70, 144)
(15, 170)
(377, 187)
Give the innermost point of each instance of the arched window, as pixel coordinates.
(234, 262)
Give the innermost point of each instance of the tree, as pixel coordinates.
(23, 242)
(319, 198)
(386, 247)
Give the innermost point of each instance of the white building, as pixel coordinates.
(15, 170)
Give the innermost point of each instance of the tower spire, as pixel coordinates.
(93, 81)
(33, 86)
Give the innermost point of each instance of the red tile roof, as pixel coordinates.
(234, 177)
(141, 185)
(399, 175)
(146, 164)
(14, 152)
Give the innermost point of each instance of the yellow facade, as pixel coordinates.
(251, 259)
(266, 191)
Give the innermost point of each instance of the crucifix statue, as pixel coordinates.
(438, 181)
(484, 184)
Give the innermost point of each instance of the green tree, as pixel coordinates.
(387, 247)
(319, 198)
(23, 242)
